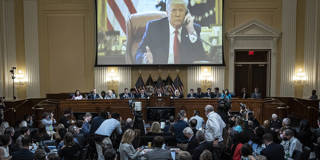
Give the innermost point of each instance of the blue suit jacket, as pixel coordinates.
(156, 37)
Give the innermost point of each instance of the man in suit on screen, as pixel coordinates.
(171, 40)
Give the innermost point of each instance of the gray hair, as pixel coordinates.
(169, 2)
(188, 130)
(209, 108)
(286, 121)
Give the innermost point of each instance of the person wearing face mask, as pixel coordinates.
(290, 143)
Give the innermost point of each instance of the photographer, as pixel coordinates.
(48, 121)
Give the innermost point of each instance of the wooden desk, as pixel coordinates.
(294, 108)
(189, 105)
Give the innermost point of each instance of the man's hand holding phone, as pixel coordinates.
(188, 22)
(148, 58)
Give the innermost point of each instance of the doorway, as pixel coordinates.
(252, 71)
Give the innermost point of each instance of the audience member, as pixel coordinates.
(85, 129)
(5, 141)
(192, 141)
(126, 149)
(53, 156)
(246, 152)
(29, 121)
(304, 134)
(203, 144)
(214, 125)
(66, 118)
(290, 143)
(24, 153)
(4, 125)
(200, 121)
(206, 155)
(70, 150)
(158, 153)
(272, 150)
(275, 123)
(193, 125)
(40, 154)
(178, 127)
(97, 121)
(183, 155)
(109, 153)
(48, 120)
(155, 129)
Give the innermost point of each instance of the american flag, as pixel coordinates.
(118, 12)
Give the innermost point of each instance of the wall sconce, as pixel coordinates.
(300, 76)
(206, 76)
(112, 76)
(20, 78)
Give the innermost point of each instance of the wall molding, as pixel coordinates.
(288, 52)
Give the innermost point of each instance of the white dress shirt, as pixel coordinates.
(214, 127)
(200, 122)
(291, 145)
(108, 126)
(193, 38)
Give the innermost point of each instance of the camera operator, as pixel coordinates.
(223, 109)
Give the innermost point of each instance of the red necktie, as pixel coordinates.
(176, 47)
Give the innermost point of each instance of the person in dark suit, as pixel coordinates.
(158, 153)
(256, 94)
(142, 94)
(93, 95)
(191, 94)
(203, 145)
(24, 153)
(199, 94)
(209, 94)
(192, 141)
(178, 127)
(217, 93)
(179, 29)
(244, 94)
(272, 150)
(314, 95)
(125, 94)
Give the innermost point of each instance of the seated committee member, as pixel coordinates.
(142, 94)
(179, 29)
(93, 95)
(226, 95)
(217, 93)
(159, 93)
(314, 95)
(199, 94)
(177, 94)
(77, 95)
(209, 94)
(256, 93)
(125, 94)
(191, 94)
(110, 95)
(244, 94)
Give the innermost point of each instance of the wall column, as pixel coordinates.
(289, 11)
(231, 65)
(31, 48)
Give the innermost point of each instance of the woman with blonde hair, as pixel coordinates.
(155, 129)
(126, 149)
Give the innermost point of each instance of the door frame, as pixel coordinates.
(268, 63)
(254, 35)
